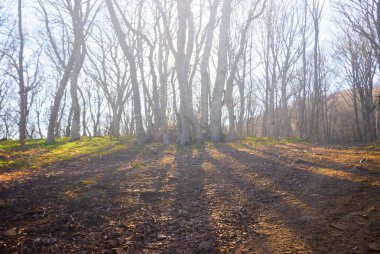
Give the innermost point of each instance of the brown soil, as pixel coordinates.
(218, 198)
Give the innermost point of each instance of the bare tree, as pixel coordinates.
(128, 53)
(204, 66)
(109, 71)
(302, 90)
(270, 57)
(163, 72)
(254, 13)
(25, 74)
(182, 54)
(364, 18)
(359, 61)
(291, 49)
(316, 11)
(68, 55)
(23, 90)
(153, 100)
(378, 116)
(221, 73)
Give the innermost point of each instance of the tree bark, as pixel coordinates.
(163, 90)
(23, 92)
(79, 59)
(140, 132)
(315, 110)
(234, 68)
(185, 41)
(68, 67)
(221, 73)
(205, 75)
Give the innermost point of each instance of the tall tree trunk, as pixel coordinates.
(242, 109)
(183, 54)
(264, 126)
(58, 126)
(356, 114)
(234, 69)
(315, 107)
(302, 111)
(79, 59)
(75, 122)
(286, 128)
(96, 127)
(221, 73)
(205, 75)
(272, 116)
(185, 41)
(115, 122)
(69, 121)
(23, 92)
(84, 112)
(163, 90)
(228, 97)
(78, 27)
(370, 109)
(53, 119)
(175, 109)
(378, 117)
(140, 132)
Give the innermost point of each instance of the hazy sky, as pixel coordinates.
(328, 28)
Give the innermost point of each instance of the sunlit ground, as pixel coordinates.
(348, 163)
(249, 196)
(16, 164)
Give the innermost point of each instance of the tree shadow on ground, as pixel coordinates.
(303, 199)
(63, 204)
(355, 168)
(202, 199)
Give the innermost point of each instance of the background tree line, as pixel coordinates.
(185, 71)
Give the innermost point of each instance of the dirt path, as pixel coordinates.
(218, 198)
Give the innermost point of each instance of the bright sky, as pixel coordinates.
(31, 19)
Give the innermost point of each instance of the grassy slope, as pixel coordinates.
(39, 154)
(268, 141)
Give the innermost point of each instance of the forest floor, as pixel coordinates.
(249, 196)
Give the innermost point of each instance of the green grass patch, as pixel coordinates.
(38, 153)
(4, 205)
(196, 148)
(254, 141)
(138, 165)
(87, 182)
(170, 149)
(374, 145)
(15, 145)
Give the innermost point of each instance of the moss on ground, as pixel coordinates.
(38, 153)
(269, 141)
